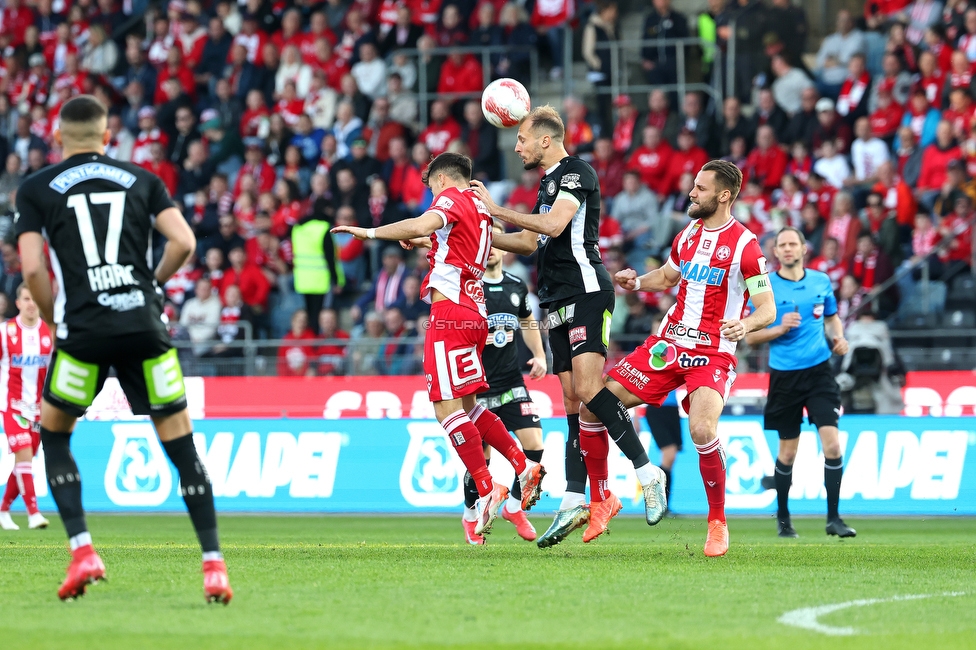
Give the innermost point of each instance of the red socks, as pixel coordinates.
(595, 447)
(467, 442)
(711, 462)
(495, 434)
(21, 482)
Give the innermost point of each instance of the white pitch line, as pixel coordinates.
(806, 617)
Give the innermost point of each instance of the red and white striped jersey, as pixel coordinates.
(459, 250)
(714, 265)
(26, 352)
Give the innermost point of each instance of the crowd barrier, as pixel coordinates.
(894, 465)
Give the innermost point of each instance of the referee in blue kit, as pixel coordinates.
(800, 374)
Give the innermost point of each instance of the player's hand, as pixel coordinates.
(627, 279)
(483, 194)
(537, 367)
(732, 329)
(791, 320)
(840, 346)
(416, 242)
(355, 231)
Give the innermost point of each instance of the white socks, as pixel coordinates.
(213, 555)
(79, 540)
(571, 500)
(513, 505)
(646, 473)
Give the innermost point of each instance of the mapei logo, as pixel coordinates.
(748, 461)
(711, 276)
(29, 360)
(431, 474)
(138, 473)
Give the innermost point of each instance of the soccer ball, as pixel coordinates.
(505, 102)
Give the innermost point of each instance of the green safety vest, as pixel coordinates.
(707, 32)
(311, 271)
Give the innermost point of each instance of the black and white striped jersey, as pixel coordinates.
(570, 264)
(96, 214)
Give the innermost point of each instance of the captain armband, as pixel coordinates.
(758, 284)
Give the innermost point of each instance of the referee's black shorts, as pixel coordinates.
(791, 390)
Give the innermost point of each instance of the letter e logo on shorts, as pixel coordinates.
(465, 366)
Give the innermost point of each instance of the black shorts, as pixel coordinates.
(665, 425)
(578, 326)
(145, 362)
(514, 408)
(791, 390)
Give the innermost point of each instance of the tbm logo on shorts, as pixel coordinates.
(686, 360)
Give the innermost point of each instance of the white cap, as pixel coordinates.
(825, 104)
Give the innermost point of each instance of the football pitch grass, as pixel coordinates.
(398, 582)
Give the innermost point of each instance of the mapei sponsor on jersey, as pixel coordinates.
(684, 334)
(123, 301)
(694, 272)
(29, 360)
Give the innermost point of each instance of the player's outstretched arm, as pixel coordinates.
(520, 243)
(407, 229)
(660, 279)
(34, 268)
(180, 242)
(551, 223)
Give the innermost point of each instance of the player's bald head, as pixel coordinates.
(83, 122)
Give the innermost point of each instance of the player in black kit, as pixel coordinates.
(96, 215)
(508, 398)
(577, 290)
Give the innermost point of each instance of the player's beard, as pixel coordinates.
(529, 164)
(702, 210)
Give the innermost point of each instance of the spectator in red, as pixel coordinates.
(331, 357)
(829, 262)
(58, 48)
(843, 225)
(935, 162)
(425, 14)
(252, 38)
(871, 268)
(660, 116)
(549, 18)
(625, 125)
(734, 125)
(886, 117)
(852, 102)
(290, 208)
(255, 166)
(460, 73)
(14, 20)
(800, 164)
(291, 32)
(579, 133)
(611, 234)
(960, 113)
(159, 166)
(958, 228)
(767, 162)
(442, 128)
(149, 133)
(935, 42)
(192, 40)
(403, 178)
(295, 357)
(256, 116)
(689, 158)
(895, 194)
(831, 127)
(246, 275)
(653, 161)
(526, 191)
(175, 69)
(451, 30)
(381, 130)
(609, 167)
(930, 78)
(357, 31)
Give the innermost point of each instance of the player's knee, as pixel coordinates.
(831, 449)
(787, 456)
(702, 432)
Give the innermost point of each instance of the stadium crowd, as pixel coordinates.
(270, 121)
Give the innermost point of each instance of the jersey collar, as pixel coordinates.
(553, 168)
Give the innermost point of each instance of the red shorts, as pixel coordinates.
(658, 367)
(22, 433)
(452, 352)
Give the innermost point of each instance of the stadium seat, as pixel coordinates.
(963, 290)
(917, 304)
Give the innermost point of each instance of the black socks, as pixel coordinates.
(196, 489)
(615, 417)
(575, 467)
(64, 479)
(784, 479)
(833, 471)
